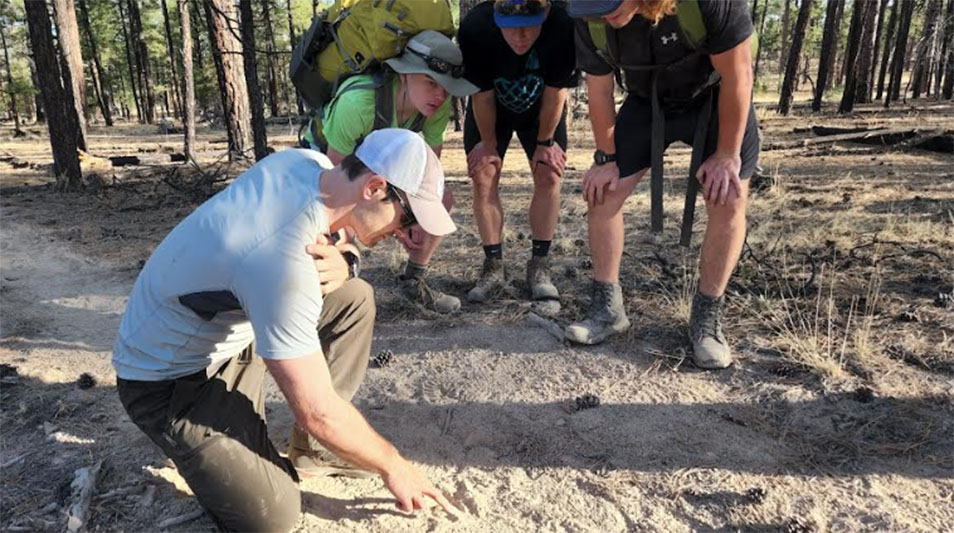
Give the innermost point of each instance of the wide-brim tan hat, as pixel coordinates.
(436, 47)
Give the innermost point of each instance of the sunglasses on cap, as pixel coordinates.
(407, 216)
(438, 65)
(518, 7)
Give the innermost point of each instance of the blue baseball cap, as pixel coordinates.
(519, 13)
(592, 8)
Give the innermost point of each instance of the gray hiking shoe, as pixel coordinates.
(491, 280)
(311, 459)
(605, 317)
(709, 347)
(416, 290)
(538, 279)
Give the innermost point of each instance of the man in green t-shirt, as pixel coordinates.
(420, 81)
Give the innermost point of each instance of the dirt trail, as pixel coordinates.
(482, 407)
(482, 400)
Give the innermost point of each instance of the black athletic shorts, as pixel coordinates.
(525, 124)
(634, 134)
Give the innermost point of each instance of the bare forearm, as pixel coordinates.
(485, 114)
(602, 109)
(551, 109)
(734, 101)
(344, 431)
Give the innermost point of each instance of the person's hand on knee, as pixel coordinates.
(597, 180)
(552, 156)
(719, 176)
(482, 155)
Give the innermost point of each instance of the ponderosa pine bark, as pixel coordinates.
(255, 100)
(794, 58)
(61, 117)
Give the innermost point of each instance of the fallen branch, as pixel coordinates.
(84, 483)
(181, 519)
(550, 326)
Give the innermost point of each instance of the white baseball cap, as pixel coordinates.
(402, 158)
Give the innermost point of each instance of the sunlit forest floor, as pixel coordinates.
(838, 415)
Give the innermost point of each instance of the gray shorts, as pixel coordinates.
(634, 135)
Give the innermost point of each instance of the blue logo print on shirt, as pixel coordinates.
(520, 94)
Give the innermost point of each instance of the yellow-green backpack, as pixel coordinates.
(354, 35)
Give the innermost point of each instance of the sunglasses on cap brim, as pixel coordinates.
(438, 65)
(407, 216)
(519, 7)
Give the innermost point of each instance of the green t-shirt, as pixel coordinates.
(350, 116)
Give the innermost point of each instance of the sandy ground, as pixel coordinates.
(861, 441)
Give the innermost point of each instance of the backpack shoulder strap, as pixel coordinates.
(690, 20)
(597, 29)
(383, 101)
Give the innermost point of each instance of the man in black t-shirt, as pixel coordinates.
(520, 53)
(686, 67)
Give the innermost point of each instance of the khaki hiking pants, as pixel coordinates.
(213, 426)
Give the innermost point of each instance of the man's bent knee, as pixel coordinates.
(355, 293)
(485, 181)
(545, 177)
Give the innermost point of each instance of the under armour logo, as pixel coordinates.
(671, 38)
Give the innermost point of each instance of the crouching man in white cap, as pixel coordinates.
(231, 292)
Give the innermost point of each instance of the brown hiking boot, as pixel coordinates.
(606, 315)
(313, 460)
(491, 281)
(538, 279)
(415, 289)
(710, 350)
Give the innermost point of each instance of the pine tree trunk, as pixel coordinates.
(13, 95)
(173, 70)
(291, 39)
(67, 33)
(947, 90)
(888, 47)
(923, 55)
(794, 58)
(63, 122)
(38, 114)
(133, 86)
(188, 82)
(828, 37)
(900, 49)
(226, 51)
(256, 105)
(837, 56)
(197, 38)
(99, 75)
(863, 61)
(271, 77)
(758, 54)
(141, 54)
(783, 49)
(873, 75)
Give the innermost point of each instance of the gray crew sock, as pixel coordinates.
(414, 270)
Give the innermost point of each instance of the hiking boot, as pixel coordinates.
(491, 280)
(416, 290)
(538, 279)
(606, 315)
(311, 459)
(709, 347)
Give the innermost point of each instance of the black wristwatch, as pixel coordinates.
(546, 142)
(601, 158)
(354, 264)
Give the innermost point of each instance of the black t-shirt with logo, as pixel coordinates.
(518, 81)
(641, 44)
